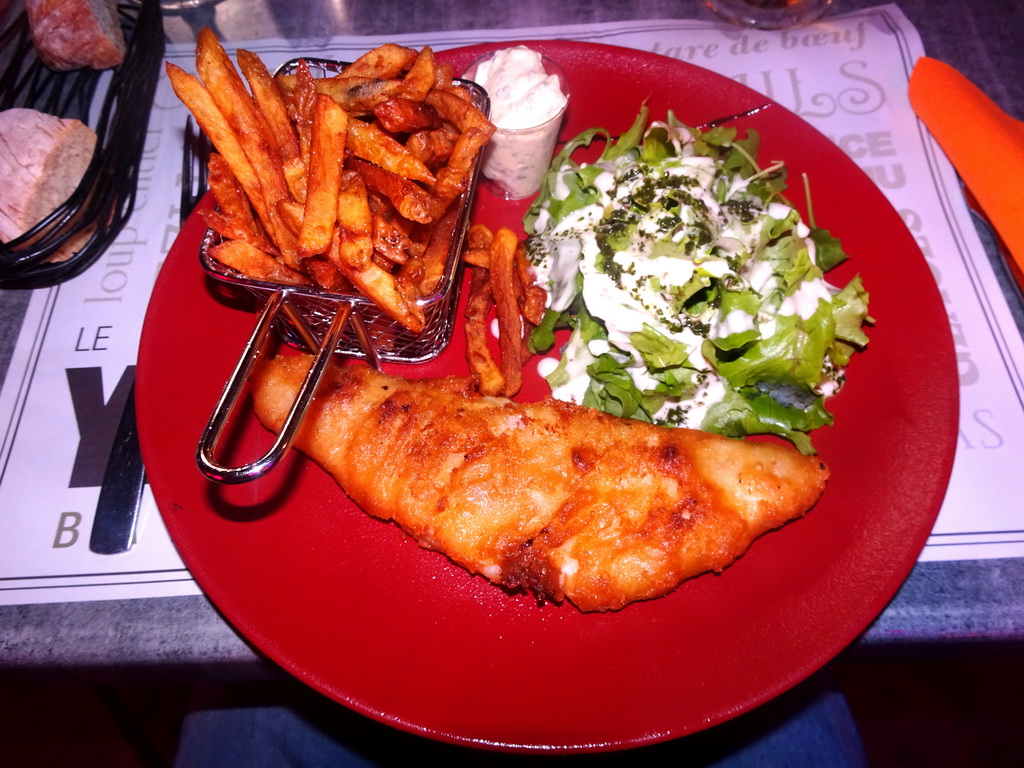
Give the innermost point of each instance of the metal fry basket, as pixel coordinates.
(326, 323)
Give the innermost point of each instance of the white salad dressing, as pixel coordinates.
(575, 359)
(736, 321)
(803, 302)
(546, 366)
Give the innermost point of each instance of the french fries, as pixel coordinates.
(326, 156)
(487, 375)
(346, 182)
(249, 260)
(500, 276)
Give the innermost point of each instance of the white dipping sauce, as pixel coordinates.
(526, 106)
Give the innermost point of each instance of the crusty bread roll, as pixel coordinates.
(42, 160)
(69, 34)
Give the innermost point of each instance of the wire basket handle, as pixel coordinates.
(207, 449)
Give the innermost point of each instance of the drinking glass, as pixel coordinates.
(769, 14)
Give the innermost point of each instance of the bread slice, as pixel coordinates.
(69, 34)
(42, 160)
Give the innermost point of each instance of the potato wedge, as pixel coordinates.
(486, 372)
(410, 200)
(420, 77)
(384, 63)
(255, 263)
(271, 102)
(355, 219)
(327, 152)
(504, 287)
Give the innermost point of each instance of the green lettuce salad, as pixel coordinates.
(694, 292)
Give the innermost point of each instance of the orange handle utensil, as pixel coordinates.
(985, 145)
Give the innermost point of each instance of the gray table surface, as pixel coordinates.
(943, 605)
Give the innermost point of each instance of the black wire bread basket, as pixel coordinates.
(105, 198)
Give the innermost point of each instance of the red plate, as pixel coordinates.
(357, 610)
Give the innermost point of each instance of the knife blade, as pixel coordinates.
(117, 510)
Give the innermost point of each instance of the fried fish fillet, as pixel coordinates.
(560, 499)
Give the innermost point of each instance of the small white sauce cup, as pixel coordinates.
(516, 159)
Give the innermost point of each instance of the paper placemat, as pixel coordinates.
(63, 393)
